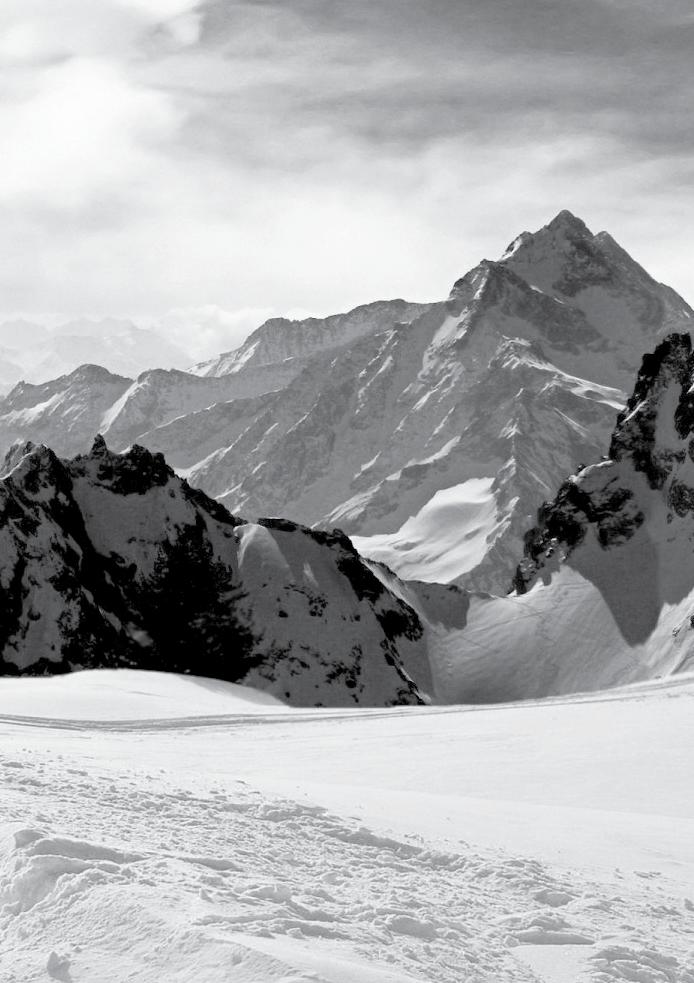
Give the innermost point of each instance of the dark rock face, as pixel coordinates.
(564, 523)
(666, 369)
(588, 266)
(178, 617)
(653, 439)
(111, 560)
(125, 474)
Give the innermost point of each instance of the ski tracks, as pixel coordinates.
(118, 879)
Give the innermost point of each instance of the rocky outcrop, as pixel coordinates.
(111, 560)
(654, 437)
(642, 434)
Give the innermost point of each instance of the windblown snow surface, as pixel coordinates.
(160, 829)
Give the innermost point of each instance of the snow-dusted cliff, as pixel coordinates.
(112, 560)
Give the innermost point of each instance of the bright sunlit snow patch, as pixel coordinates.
(447, 537)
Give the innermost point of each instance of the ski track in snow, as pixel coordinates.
(112, 870)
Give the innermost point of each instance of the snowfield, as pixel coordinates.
(159, 829)
(450, 533)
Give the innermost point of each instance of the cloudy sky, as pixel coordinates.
(243, 158)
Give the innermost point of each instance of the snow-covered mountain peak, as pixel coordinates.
(63, 413)
(86, 375)
(568, 224)
(38, 471)
(480, 285)
(563, 229)
(594, 275)
(564, 258)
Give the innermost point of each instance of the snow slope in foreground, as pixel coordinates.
(128, 694)
(230, 841)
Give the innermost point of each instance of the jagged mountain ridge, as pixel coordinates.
(111, 560)
(429, 440)
(605, 592)
(280, 339)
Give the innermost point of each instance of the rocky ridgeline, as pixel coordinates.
(280, 340)
(111, 560)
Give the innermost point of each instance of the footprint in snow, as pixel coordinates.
(58, 967)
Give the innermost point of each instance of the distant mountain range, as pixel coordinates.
(31, 352)
(429, 433)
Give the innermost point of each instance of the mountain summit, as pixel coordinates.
(593, 274)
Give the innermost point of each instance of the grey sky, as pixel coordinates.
(309, 155)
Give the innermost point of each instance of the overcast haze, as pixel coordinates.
(307, 156)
